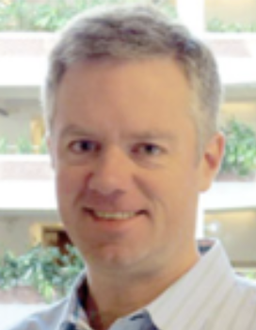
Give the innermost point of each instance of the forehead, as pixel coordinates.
(147, 92)
(166, 67)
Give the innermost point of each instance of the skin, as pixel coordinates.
(123, 140)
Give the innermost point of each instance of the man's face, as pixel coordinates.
(124, 149)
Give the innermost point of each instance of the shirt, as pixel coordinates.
(210, 296)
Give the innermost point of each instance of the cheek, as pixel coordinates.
(69, 181)
(173, 190)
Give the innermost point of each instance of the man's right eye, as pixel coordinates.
(84, 146)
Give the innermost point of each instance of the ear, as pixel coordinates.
(211, 160)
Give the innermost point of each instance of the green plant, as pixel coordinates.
(217, 25)
(46, 269)
(251, 275)
(240, 155)
(42, 148)
(24, 146)
(21, 15)
(3, 145)
(12, 14)
(168, 8)
(10, 271)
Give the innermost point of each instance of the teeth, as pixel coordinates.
(117, 215)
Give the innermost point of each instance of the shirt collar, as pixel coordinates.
(74, 316)
(182, 304)
(186, 303)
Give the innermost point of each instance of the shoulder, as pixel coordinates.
(244, 284)
(237, 308)
(51, 317)
(47, 318)
(245, 291)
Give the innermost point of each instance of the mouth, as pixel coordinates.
(119, 215)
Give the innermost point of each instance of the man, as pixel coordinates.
(131, 103)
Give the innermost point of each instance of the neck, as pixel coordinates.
(117, 295)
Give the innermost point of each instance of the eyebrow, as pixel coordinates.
(75, 130)
(154, 134)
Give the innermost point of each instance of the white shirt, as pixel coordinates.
(210, 296)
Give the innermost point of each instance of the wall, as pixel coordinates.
(16, 229)
(18, 123)
(244, 111)
(231, 11)
(237, 231)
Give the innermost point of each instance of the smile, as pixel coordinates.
(113, 215)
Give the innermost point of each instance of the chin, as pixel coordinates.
(113, 258)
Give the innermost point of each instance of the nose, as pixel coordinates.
(111, 174)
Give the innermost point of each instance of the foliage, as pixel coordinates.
(46, 269)
(217, 25)
(251, 275)
(9, 271)
(42, 148)
(240, 156)
(3, 145)
(169, 9)
(23, 146)
(22, 15)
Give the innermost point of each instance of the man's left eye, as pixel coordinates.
(148, 149)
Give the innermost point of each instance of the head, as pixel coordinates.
(122, 33)
(127, 99)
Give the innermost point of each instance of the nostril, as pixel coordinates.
(86, 209)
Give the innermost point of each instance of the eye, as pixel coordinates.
(84, 146)
(148, 149)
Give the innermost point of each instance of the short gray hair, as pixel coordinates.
(137, 32)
